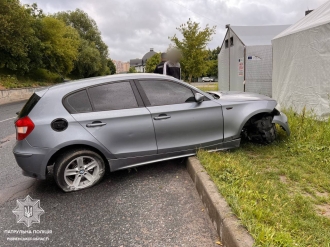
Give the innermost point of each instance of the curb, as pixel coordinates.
(17, 94)
(231, 232)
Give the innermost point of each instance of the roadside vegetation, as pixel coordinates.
(38, 48)
(280, 192)
(209, 87)
(12, 81)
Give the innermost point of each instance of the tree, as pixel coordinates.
(60, 45)
(212, 69)
(193, 48)
(88, 62)
(15, 35)
(212, 62)
(153, 62)
(34, 10)
(213, 54)
(88, 30)
(132, 70)
(35, 46)
(111, 67)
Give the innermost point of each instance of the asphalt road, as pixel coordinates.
(154, 205)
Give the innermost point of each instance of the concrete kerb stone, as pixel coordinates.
(231, 232)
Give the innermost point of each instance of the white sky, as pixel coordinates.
(131, 27)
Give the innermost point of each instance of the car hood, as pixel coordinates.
(239, 96)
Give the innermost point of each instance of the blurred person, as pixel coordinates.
(160, 67)
(172, 67)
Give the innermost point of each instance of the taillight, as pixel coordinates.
(24, 127)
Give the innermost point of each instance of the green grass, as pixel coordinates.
(280, 191)
(9, 82)
(36, 78)
(209, 87)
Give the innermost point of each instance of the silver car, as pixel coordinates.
(116, 122)
(207, 79)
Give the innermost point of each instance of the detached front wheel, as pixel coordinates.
(78, 169)
(261, 130)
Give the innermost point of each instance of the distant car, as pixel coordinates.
(207, 79)
(115, 122)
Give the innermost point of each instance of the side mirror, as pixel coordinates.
(199, 97)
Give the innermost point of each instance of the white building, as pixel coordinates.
(140, 64)
(301, 74)
(246, 56)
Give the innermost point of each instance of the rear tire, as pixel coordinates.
(261, 130)
(78, 169)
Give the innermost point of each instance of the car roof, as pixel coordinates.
(77, 84)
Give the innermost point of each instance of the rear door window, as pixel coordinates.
(113, 96)
(78, 102)
(27, 108)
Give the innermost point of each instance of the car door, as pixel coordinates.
(118, 119)
(180, 122)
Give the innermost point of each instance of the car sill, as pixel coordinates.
(155, 161)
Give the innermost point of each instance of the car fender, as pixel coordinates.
(69, 144)
(236, 114)
(249, 116)
(282, 120)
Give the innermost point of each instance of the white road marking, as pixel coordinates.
(7, 119)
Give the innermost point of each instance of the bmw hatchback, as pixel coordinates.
(115, 122)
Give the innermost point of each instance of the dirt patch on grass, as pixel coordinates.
(323, 210)
(283, 179)
(322, 194)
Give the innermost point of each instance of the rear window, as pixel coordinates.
(78, 102)
(113, 96)
(27, 108)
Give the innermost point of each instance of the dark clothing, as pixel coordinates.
(173, 70)
(159, 68)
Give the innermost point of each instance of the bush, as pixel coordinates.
(43, 75)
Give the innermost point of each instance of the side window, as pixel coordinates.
(166, 93)
(113, 96)
(78, 102)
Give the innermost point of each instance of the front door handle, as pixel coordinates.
(95, 124)
(162, 116)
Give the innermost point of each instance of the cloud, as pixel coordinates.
(131, 27)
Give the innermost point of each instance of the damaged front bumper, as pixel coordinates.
(282, 120)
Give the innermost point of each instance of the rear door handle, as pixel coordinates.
(95, 124)
(162, 116)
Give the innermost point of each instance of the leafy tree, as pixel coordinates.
(88, 30)
(112, 67)
(153, 62)
(212, 62)
(88, 62)
(34, 11)
(132, 70)
(15, 35)
(60, 45)
(35, 46)
(193, 48)
(213, 54)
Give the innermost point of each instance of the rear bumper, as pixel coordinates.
(282, 120)
(31, 160)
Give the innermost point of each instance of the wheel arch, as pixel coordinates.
(256, 114)
(67, 148)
